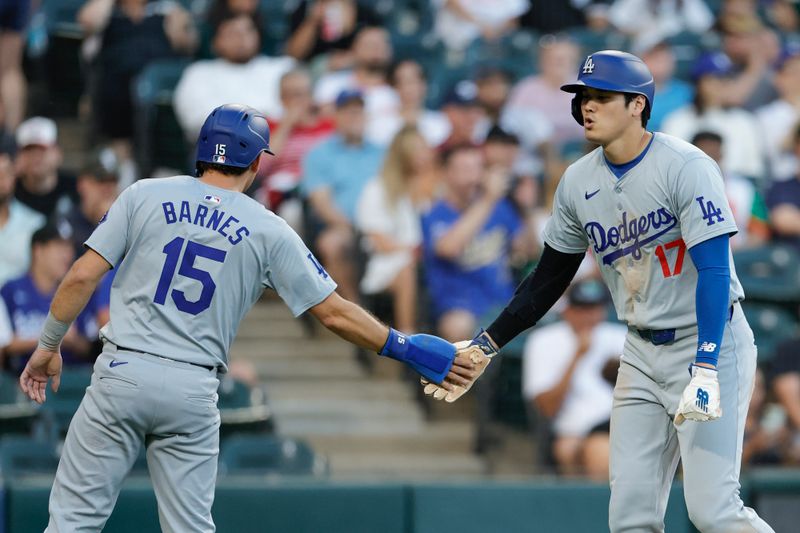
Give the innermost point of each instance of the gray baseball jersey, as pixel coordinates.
(192, 259)
(639, 226)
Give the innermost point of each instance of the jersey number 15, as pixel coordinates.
(187, 269)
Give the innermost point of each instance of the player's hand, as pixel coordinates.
(700, 400)
(480, 352)
(43, 365)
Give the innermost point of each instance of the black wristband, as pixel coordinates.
(505, 327)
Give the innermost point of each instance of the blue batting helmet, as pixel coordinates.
(611, 70)
(233, 135)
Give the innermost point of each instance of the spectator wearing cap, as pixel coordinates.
(25, 303)
(41, 183)
(17, 222)
(464, 114)
(671, 92)
(97, 188)
(298, 130)
(408, 79)
(747, 204)
(335, 172)
(239, 74)
(569, 370)
(779, 118)
(742, 144)
(468, 238)
(372, 57)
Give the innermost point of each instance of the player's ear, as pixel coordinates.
(255, 163)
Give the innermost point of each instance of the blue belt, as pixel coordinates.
(665, 336)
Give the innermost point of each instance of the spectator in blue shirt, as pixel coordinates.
(25, 302)
(334, 175)
(783, 201)
(467, 240)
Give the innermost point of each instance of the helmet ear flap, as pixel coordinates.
(576, 108)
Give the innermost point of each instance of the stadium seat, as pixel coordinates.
(770, 273)
(771, 325)
(158, 138)
(268, 455)
(21, 456)
(242, 409)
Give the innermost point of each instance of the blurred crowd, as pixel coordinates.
(418, 146)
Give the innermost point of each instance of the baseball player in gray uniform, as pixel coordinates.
(640, 202)
(192, 256)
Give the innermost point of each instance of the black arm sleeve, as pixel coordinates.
(535, 295)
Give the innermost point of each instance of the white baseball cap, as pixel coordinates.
(38, 131)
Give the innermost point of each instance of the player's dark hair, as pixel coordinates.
(630, 97)
(202, 166)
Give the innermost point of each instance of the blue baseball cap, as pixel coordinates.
(349, 95)
(712, 64)
(587, 292)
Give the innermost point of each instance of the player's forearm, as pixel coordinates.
(351, 322)
(73, 294)
(452, 244)
(535, 295)
(712, 296)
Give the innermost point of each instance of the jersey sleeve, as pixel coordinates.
(293, 271)
(701, 203)
(111, 237)
(564, 232)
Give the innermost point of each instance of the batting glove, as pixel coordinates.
(700, 399)
(480, 350)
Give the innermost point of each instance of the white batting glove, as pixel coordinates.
(480, 350)
(700, 399)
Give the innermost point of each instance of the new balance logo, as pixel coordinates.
(702, 400)
(588, 66)
(116, 363)
(588, 194)
(711, 214)
(707, 347)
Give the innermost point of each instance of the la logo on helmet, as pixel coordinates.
(588, 66)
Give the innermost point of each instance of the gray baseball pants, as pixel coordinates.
(137, 400)
(646, 445)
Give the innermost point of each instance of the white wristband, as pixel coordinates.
(52, 333)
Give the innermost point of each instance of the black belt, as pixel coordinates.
(207, 367)
(665, 336)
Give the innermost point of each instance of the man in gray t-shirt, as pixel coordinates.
(192, 256)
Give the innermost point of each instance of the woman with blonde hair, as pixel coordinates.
(387, 218)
